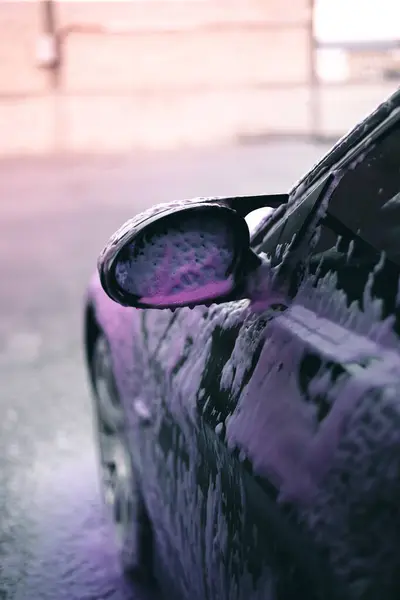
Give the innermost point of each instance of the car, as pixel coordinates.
(246, 388)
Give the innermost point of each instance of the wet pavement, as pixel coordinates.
(55, 214)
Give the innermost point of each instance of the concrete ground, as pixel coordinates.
(55, 215)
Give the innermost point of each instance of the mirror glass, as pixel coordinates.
(182, 259)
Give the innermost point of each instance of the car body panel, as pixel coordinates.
(271, 439)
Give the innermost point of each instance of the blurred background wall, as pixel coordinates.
(168, 73)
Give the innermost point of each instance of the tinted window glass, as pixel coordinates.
(367, 200)
(363, 220)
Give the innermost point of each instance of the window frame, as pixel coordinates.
(313, 195)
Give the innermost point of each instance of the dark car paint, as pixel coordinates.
(220, 523)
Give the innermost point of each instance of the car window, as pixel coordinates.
(362, 221)
(367, 199)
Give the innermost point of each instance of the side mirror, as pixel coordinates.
(182, 254)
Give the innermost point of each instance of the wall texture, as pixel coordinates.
(162, 74)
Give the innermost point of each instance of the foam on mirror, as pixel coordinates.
(186, 261)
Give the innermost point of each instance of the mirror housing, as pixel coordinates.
(183, 253)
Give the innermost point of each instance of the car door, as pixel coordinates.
(349, 372)
(319, 418)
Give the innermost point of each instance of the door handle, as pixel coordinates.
(142, 412)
